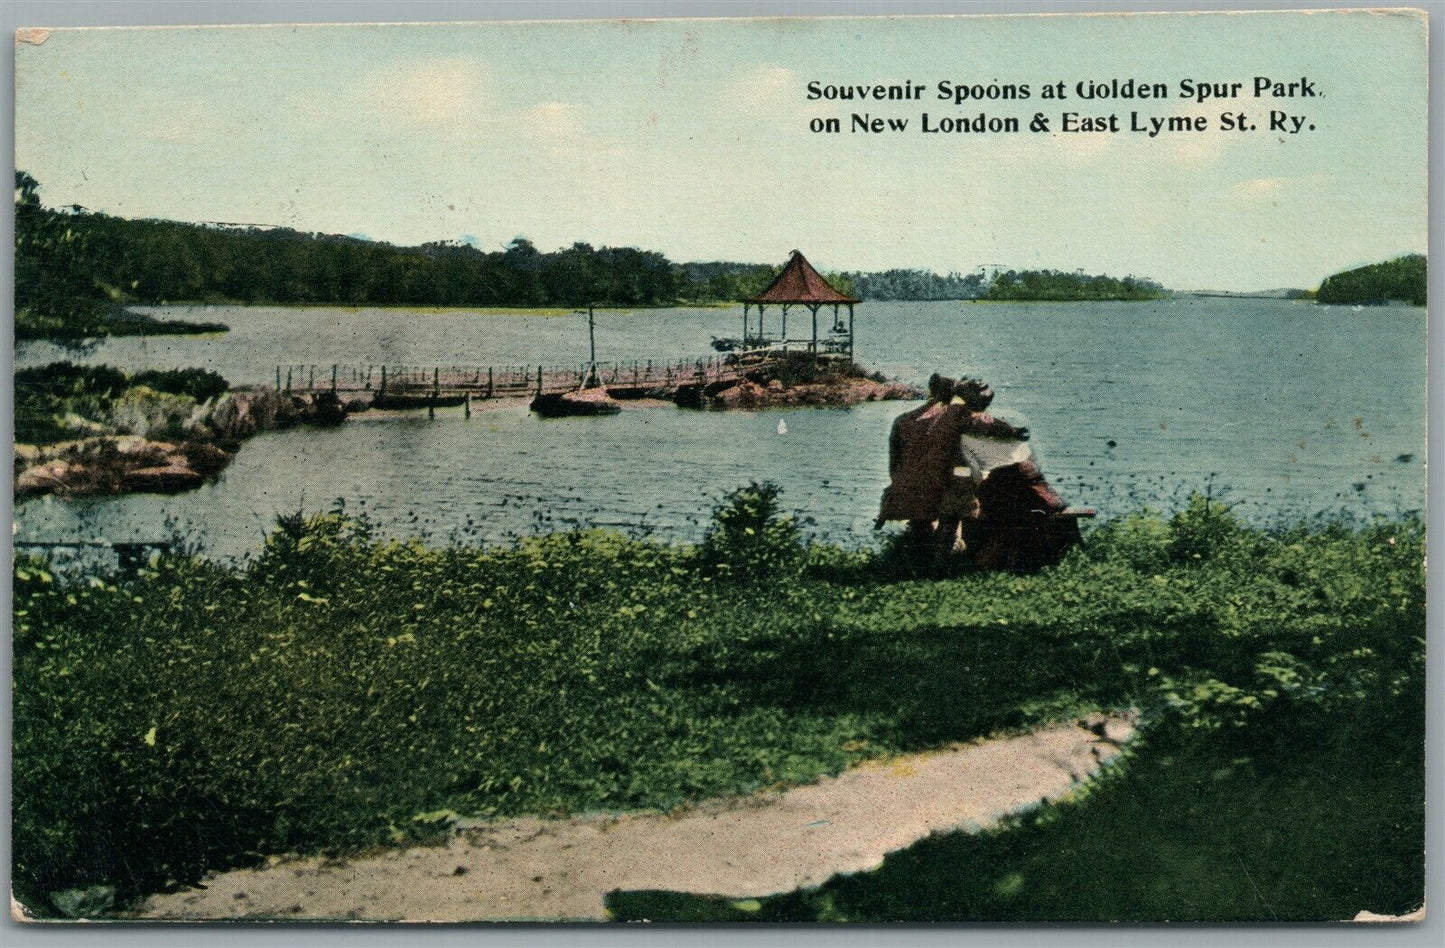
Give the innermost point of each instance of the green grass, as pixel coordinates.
(343, 691)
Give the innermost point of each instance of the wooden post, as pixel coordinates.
(489, 381)
(436, 382)
(278, 378)
(333, 378)
(467, 405)
(382, 392)
(431, 406)
(288, 379)
(785, 325)
(539, 380)
(814, 345)
(311, 380)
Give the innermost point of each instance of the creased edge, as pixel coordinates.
(1371, 918)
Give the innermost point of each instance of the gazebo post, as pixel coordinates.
(745, 325)
(785, 325)
(813, 347)
(850, 332)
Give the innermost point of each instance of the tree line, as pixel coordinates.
(77, 267)
(1061, 285)
(1400, 279)
(916, 285)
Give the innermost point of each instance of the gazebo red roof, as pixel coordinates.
(800, 283)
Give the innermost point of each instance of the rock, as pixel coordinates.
(197, 445)
(42, 479)
(166, 479)
(204, 458)
(593, 401)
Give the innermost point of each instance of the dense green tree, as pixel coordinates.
(1400, 279)
(1059, 285)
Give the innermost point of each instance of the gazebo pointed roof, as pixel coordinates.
(800, 283)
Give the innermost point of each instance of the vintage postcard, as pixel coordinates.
(789, 470)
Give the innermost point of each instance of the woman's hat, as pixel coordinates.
(975, 393)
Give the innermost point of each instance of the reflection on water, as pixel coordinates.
(1288, 409)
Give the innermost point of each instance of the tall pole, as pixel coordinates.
(591, 347)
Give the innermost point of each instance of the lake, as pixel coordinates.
(1285, 408)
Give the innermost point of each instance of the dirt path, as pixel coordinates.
(766, 843)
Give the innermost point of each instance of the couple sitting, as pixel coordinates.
(961, 477)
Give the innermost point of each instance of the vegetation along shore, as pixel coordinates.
(342, 690)
(96, 430)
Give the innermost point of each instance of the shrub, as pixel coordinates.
(750, 537)
(62, 400)
(66, 379)
(149, 414)
(200, 384)
(1202, 530)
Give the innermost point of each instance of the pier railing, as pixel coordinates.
(500, 381)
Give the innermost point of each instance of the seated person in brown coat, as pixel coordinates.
(920, 453)
(1016, 524)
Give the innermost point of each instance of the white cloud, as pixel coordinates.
(553, 122)
(443, 94)
(559, 128)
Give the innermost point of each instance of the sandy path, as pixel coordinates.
(766, 843)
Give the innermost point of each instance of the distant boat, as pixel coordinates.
(782, 426)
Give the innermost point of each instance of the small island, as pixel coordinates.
(1061, 286)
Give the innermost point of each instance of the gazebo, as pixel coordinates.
(801, 285)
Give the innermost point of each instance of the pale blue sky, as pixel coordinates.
(690, 137)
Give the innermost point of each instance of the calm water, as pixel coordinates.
(1288, 409)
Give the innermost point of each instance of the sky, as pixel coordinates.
(692, 138)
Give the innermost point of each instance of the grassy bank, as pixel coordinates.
(342, 691)
(103, 321)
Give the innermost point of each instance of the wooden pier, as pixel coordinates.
(411, 386)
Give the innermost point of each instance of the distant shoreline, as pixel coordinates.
(436, 310)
